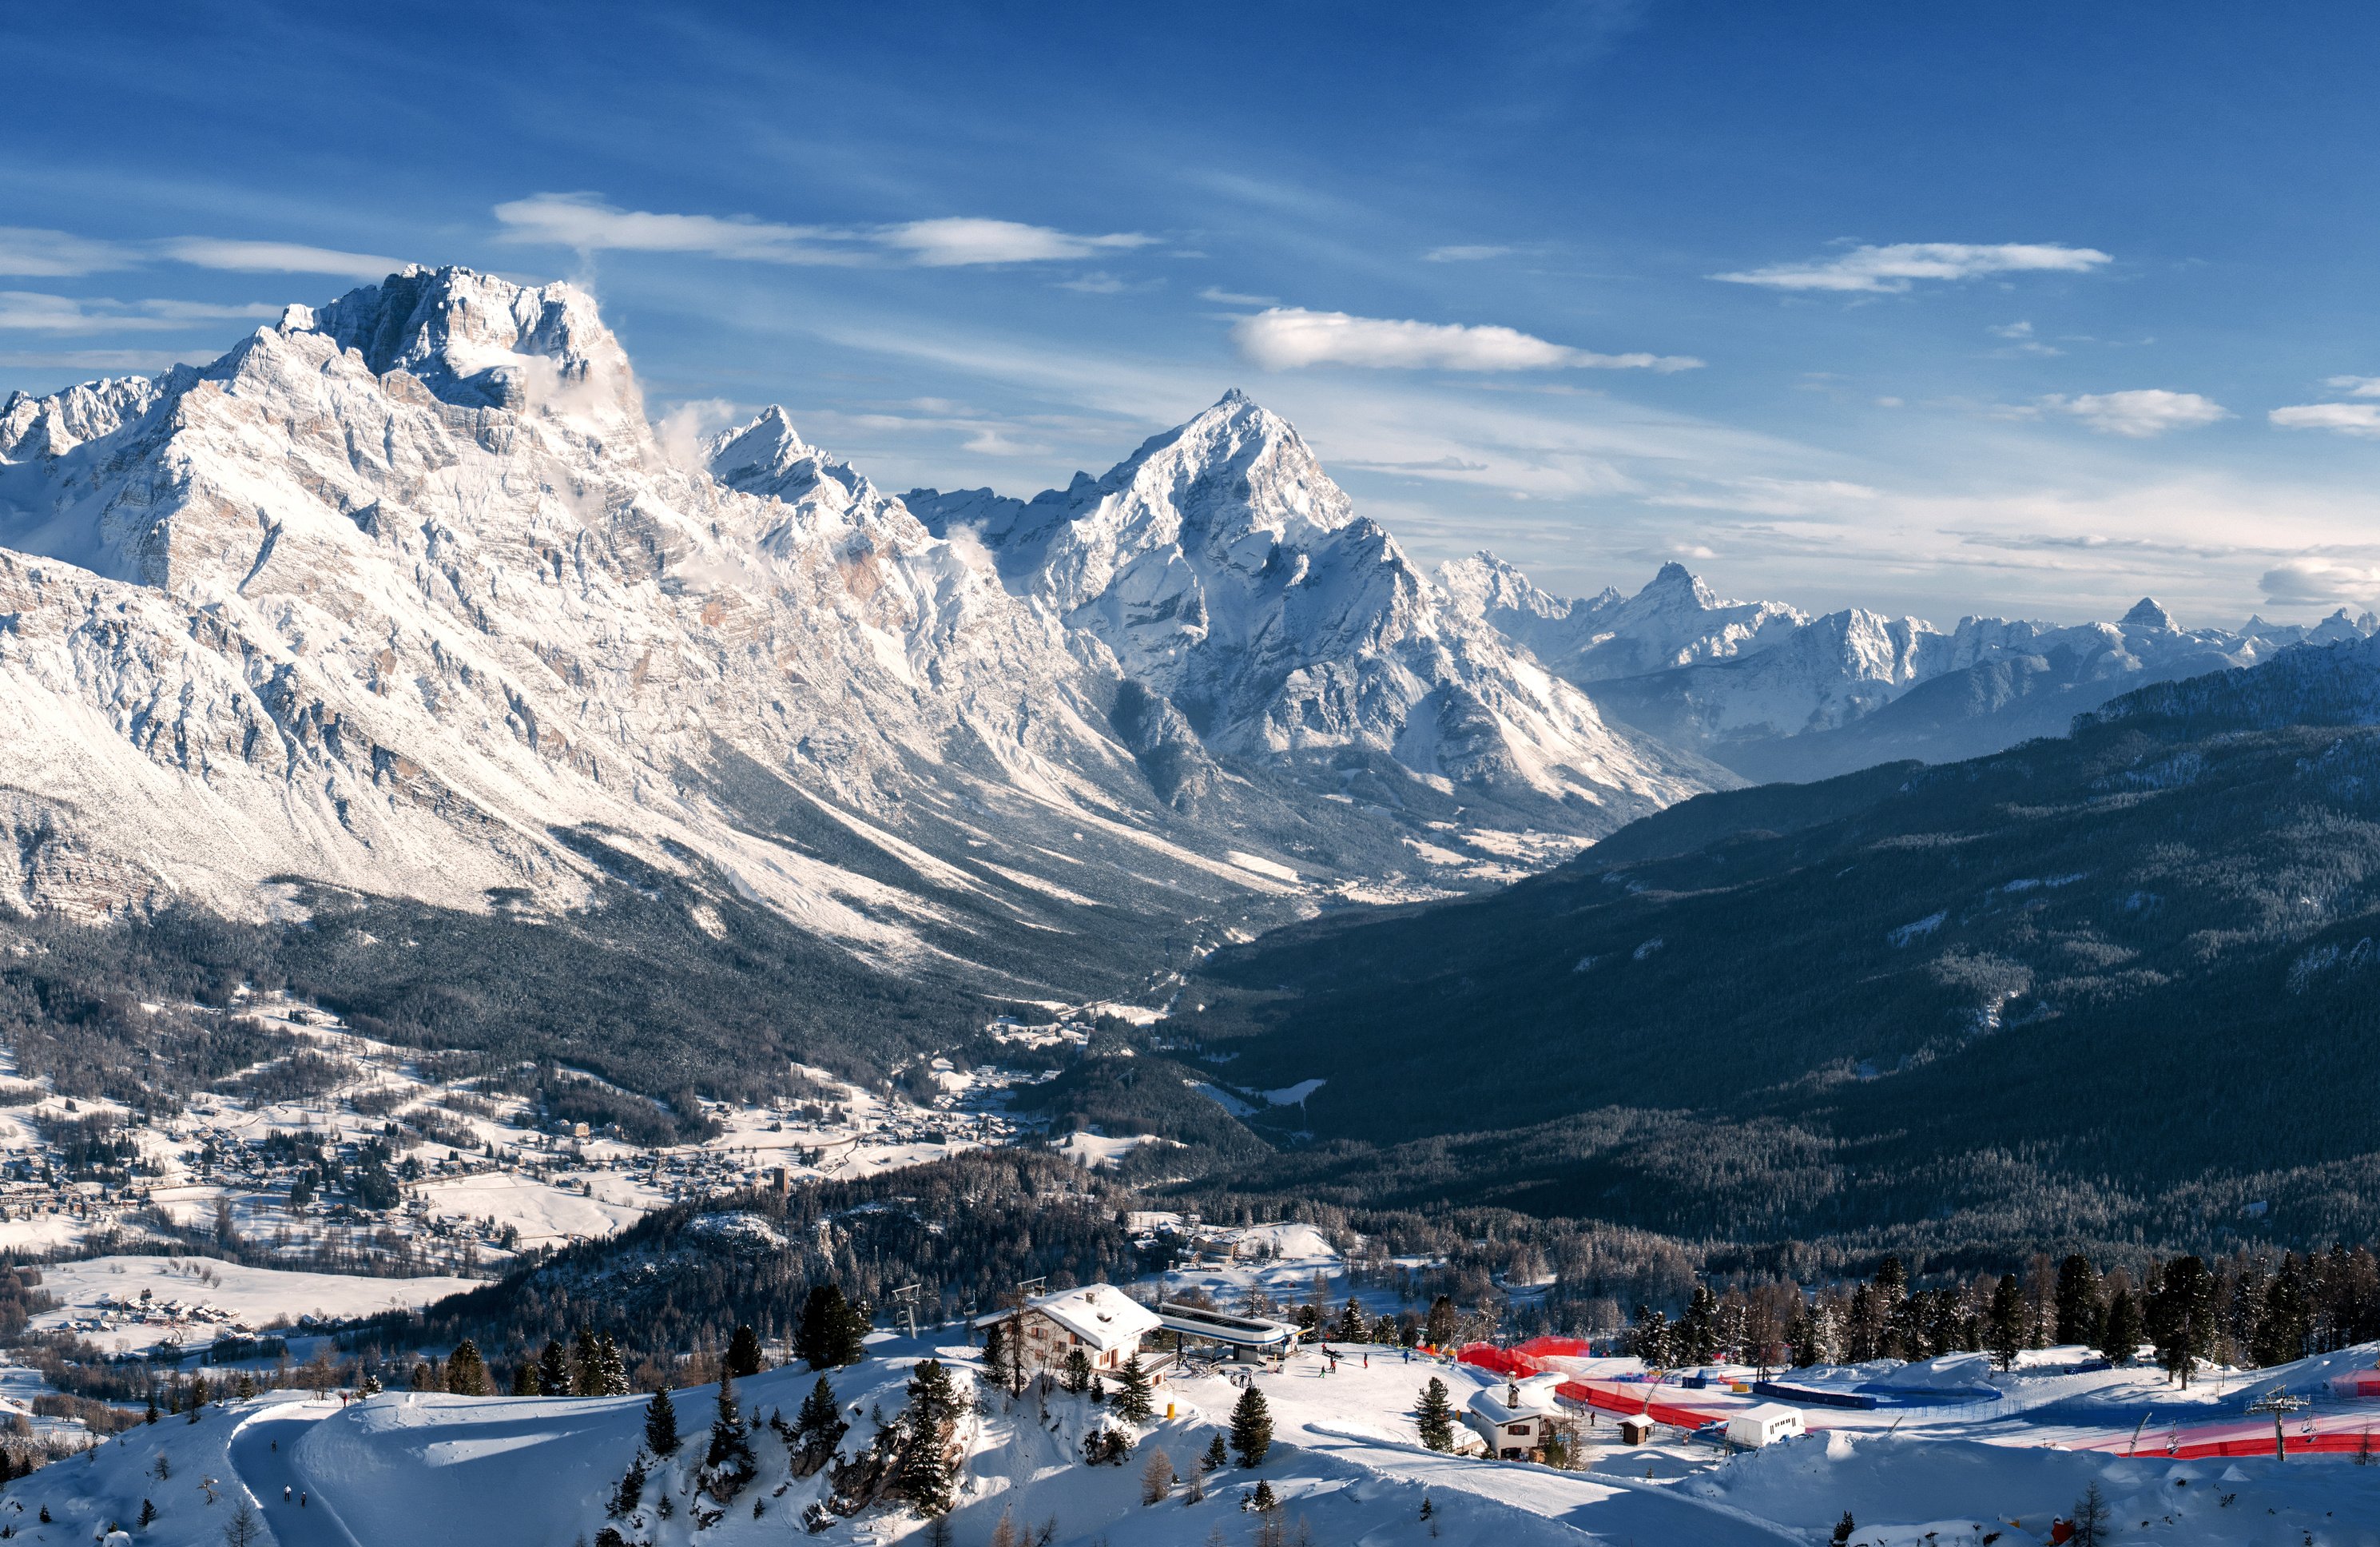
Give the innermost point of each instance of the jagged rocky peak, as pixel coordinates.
(766, 448)
(54, 425)
(2147, 613)
(1678, 586)
(479, 341)
(1484, 585)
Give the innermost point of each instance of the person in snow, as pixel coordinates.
(285, 1492)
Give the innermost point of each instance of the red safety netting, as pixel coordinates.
(1630, 1404)
(1499, 1362)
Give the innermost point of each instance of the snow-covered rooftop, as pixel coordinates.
(1101, 1314)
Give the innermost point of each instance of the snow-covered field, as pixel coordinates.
(193, 1299)
(468, 1471)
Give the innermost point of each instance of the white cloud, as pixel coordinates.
(2014, 330)
(2319, 582)
(1463, 254)
(2356, 386)
(1285, 338)
(2140, 414)
(34, 254)
(1232, 297)
(959, 240)
(250, 257)
(1095, 284)
(2347, 419)
(583, 221)
(1895, 268)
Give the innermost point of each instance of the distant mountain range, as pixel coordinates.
(1774, 693)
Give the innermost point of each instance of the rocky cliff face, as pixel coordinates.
(403, 594)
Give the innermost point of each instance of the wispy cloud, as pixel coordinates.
(585, 223)
(1232, 297)
(1463, 254)
(2140, 414)
(32, 253)
(2356, 386)
(1895, 268)
(256, 257)
(2345, 418)
(2023, 342)
(33, 311)
(1286, 338)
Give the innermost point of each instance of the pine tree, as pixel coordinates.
(1843, 1528)
(525, 1378)
(661, 1425)
(586, 1365)
(1251, 1427)
(150, 1416)
(831, 1332)
(1351, 1322)
(1078, 1371)
(1263, 1500)
(1216, 1459)
(1803, 1338)
(926, 1477)
(2286, 1319)
(727, 1466)
(1440, 1331)
(1698, 1329)
(148, 1515)
(246, 1389)
(2080, 1316)
(466, 1372)
(2181, 1317)
(818, 1427)
(368, 1385)
(2005, 1336)
(631, 1492)
(2119, 1337)
(995, 1352)
(1435, 1416)
(611, 1368)
(744, 1353)
(552, 1370)
(1132, 1402)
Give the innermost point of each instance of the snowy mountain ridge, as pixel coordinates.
(403, 594)
(1773, 692)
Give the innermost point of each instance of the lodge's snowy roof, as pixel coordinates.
(1101, 1314)
(1531, 1399)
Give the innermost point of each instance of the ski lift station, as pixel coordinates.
(1248, 1337)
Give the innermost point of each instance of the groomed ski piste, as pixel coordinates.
(1346, 1465)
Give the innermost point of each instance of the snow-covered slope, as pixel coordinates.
(1774, 693)
(1227, 575)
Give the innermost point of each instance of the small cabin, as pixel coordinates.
(1763, 1425)
(1635, 1428)
(1515, 1420)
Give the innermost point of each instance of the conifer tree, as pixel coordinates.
(832, 1331)
(586, 1365)
(466, 1372)
(995, 1352)
(819, 1427)
(744, 1353)
(727, 1466)
(926, 1477)
(149, 1415)
(1802, 1338)
(1251, 1427)
(1698, 1329)
(1263, 1499)
(1434, 1415)
(2080, 1316)
(2005, 1333)
(552, 1370)
(148, 1515)
(1132, 1402)
(1078, 1371)
(611, 1368)
(2119, 1337)
(368, 1385)
(2181, 1317)
(1843, 1528)
(1440, 1329)
(1216, 1459)
(1351, 1322)
(661, 1425)
(631, 1492)
(2285, 1320)
(525, 1378)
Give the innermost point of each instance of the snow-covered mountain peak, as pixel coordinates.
(1675, 586)
(2147, 615)
(477, 341)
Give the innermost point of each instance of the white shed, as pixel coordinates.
(1764, 1425)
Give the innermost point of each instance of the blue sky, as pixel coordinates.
(2010, 309)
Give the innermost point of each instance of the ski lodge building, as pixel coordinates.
(1100, 1318)
(1516, 1417)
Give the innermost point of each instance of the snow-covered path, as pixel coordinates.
(264, 1454)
